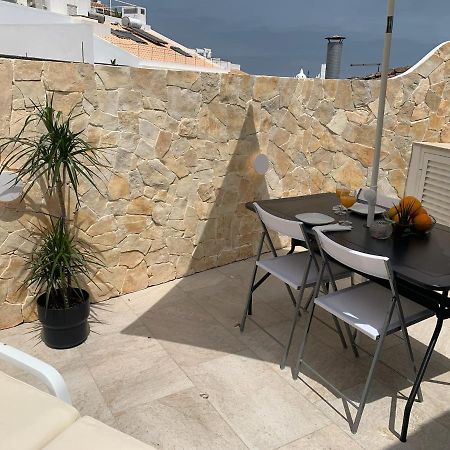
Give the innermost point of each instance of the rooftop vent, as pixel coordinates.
(334, 53)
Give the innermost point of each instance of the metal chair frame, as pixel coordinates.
(265, 236)
(395, 304)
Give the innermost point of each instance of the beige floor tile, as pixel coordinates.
(212, 278)
(381, 421)
(436, 398)
(183, 420)
(327, 438)
(190, 334)
(30, 342)
(111, 316)
(262, 409)
(23, 329)
(229, 307)
(155, 297)
(241, 269)
(86, 396)
(152, 353)
(130, 375)
(339, 367)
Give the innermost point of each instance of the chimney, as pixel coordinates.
(334, 53)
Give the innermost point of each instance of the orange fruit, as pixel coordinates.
(411, 203)
(423, 222)
(392, 212)
(421, 210)
(395, 217)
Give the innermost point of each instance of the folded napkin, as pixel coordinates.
(333, 227)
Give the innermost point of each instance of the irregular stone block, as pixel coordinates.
(27, 70)
(118, 187)
(64, 77)
(6, 80)
(10, 315)
(182, 102)
(338, 123)
(111, 77)
(265, 88)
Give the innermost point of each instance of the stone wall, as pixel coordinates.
(181, 148)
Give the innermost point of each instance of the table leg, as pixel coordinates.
(419, 378)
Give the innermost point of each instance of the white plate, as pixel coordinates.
(363, 208)
(315, 218)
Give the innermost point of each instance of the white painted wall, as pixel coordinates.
(43, 34)
(54, 41)
(11, 13)
(60, 6)
(419, 63)
(104, 52)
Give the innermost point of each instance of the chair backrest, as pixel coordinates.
(361, 262)
(289, 228)
(382, 200)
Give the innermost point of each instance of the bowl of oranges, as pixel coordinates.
(409, 216)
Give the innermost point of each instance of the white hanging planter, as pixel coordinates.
(9, 191)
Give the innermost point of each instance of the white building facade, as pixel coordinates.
(66, 30)
(69, 7)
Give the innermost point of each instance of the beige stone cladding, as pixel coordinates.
(180, 147)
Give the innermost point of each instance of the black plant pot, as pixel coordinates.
(65, 328)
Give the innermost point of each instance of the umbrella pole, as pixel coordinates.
(371, 194)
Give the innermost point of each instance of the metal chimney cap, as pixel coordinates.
(335, 38)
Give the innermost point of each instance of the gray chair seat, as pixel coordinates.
(291, 268)
(364, 308)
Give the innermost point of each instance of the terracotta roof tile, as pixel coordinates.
(153, 52)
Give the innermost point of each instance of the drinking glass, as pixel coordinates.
(340, 189)
(348, 199)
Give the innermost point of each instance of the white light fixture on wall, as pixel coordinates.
(10, 188)
(261, 164)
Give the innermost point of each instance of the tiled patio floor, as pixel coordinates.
(169, 366)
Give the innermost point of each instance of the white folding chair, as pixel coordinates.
(369, 308)
(382, 200)
(296, 270)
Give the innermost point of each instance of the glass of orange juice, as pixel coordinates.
(340, 189)
(348, 199)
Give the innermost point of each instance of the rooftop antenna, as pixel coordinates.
(367, 65)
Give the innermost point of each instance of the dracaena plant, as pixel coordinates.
(58, 159)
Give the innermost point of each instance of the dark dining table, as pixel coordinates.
(421, 263)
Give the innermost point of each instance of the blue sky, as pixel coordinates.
(279, 37)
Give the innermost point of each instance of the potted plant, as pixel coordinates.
(56, 160)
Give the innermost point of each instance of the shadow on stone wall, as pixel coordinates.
(196, 318)
(228, 233)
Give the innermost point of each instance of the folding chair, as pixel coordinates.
(296, 270)
(382, 200)
(368, 307)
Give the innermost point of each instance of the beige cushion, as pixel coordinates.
(30, 418)
(90, 434)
